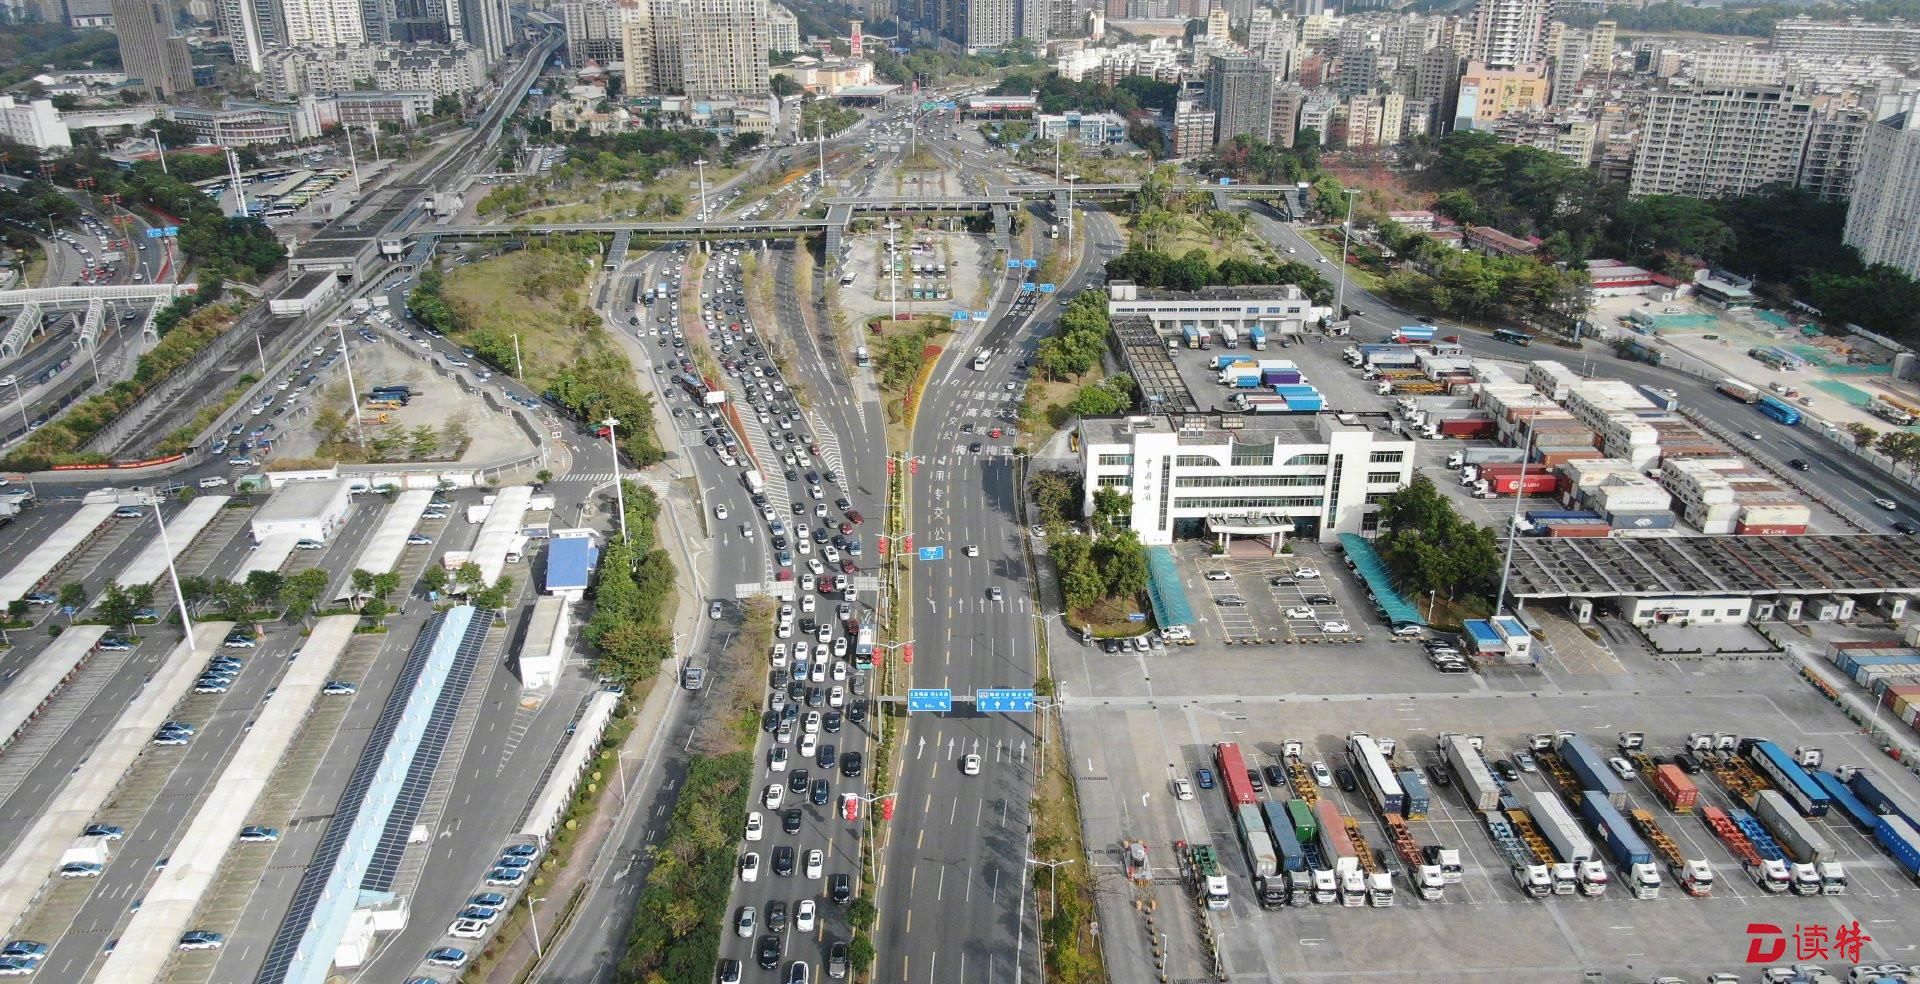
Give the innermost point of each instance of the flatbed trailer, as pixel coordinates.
(1695, 876)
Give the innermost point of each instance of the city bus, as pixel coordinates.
(1509, 335)
(980, 361)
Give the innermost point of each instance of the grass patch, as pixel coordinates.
(182, 437)
(1330, 248)
(675, 934)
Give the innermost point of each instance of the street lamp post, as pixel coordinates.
(1513, 527)
(20, 398)
(619, 494)
(519, 367)
(538, 952)
(353, 388)
(186, 620)
(1053, 882)
(1346, 236)
(1071, 178)
(160, 149)
(701, 164)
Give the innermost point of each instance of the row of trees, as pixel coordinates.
(1254, 161)
(1079, 336)
(1109, 565)
(633, 596)
(1057, 94)
(1474, 285)
(1902, 446)
(1195, 270)
(1431, 548)
(1748, 21)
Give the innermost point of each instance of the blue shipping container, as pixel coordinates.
(1543, 515)
(1901, 841)
(1280, 825)
(1418, 801)
(1877, 800)
(1305, 404)
(1662, 520)
(1623, 844)
(1590, 767)
(1848, 803)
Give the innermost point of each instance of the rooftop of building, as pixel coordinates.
(1269, 292)
(300, 500)
(1245, 428)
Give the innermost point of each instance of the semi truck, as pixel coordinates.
(1624, 846)
(1805, 882)
(1376, 776)
(1902, 841)
(1230, 336)
(1695, 876)
(1590, 767)
(1675, 788)
(1744, 392)
(1486, 456)
(1376, 883)
(1233, 775)
(1192, 336)
(1425, 875)
(1337, 850)
(1529, 873)
(1204, 876)
(1561, 874)
(1569, 842)
(1252, 828)
(1873, 794)
(1292, 887)
(1257, 337)
(1815, 868)
(1470, 771)
(1770, 873)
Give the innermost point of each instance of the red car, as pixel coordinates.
(856, 517)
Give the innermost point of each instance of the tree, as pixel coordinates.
(72, 597)
(264, 586)
(17, 610)
(301, 592)
(434, 579)
(1902, 446)
(469, 577)
(783, 85)
(493, 598)
(235, 601)
(1862, 434)
(860, 952)
(1054, 496)
(117, 605)
(1125, 566)
(632, 652)
(861, 913)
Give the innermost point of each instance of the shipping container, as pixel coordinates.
(1233, 774)
(1285, 839)
(1662, 520)
(1591, 769)
(1675, 788)
(1875, 793)
(1470, 773)
(1254, 839)
(1306, 826)
(1257, 336)
(1542, 515)
(1533, 483)
(1466, 428)
(1623, 845)
(1769, 529)
(1418, 800)
(1744, 392)
(1903, 842)
(1335, 846)
(1562, 529)
(1661, 399)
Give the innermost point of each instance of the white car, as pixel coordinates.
(779, 657)
(970, 765)
(817, 672)
(1183, 789)
(756, 827)
(809, 745)
(1885, 503)
(785, 631)
(1305, 573)
(774, 795)
(806, 914)
(825, 633)
(777, 759)
(467, 929)
(1321, 777)
(1622, 768)
(816, 864)
(720, 511)
(1219, 576)
(1335, 627)
(840, 648)
(811, 723)
(1299, 613)
(837, 697)
(815, 567)
(808, 602)
(750, 867)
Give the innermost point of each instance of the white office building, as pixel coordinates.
(310, 510)
(1306, 476)
(34, 123)
(1279, 308)
(1883, 220)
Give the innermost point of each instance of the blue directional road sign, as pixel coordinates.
(982, 315)
(933, 553)
(949, 104)
(930, 700)
(1046, 288)
(1013, 264)
(961, 315)
(1014, 701)
(1136, 616)
(1027, 288)
(1030, 264)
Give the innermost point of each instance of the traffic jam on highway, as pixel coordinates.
(800, 841)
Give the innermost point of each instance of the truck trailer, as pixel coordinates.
(1695, 876)
(1337, 850)
(1470, 772)
(1624, 846)
(1815, 868)
(1569, 842)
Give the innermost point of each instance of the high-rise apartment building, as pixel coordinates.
(700, 48)
(593, 31)
(323, 23)
(1569, 65)
(1287, 101)
(252, 28)
(486, 26)
(1240, 94)
(783, 29)
(1883, 219)
(1487, 93)
(1510, 33)
(149, 50)
(1437, 84)
(1851, 38)
(1720, 141)
(1192, 129)
(1835, 140)
(1602, 40)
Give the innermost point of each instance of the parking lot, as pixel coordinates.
(1136, 722)
(1302, 596)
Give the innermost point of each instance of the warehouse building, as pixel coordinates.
(303, 511)
(1226, 475)
(570, 562)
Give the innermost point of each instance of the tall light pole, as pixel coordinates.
(1513, 525)
(701, 164)
(14, 378)
(161, 149)
(893, 272)
(519, 367)
(186, 620)
(1071, 178)
(1346, 235)
(538, 953)
(619, 494)
(353, 389)
(1053, 882)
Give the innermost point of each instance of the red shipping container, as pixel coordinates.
(1468, 428)
(1769, 529)
(1675, 788)
(1578, 529)
(1533, 483)
(1233, 774)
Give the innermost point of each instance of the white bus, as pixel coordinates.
(980, 361)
